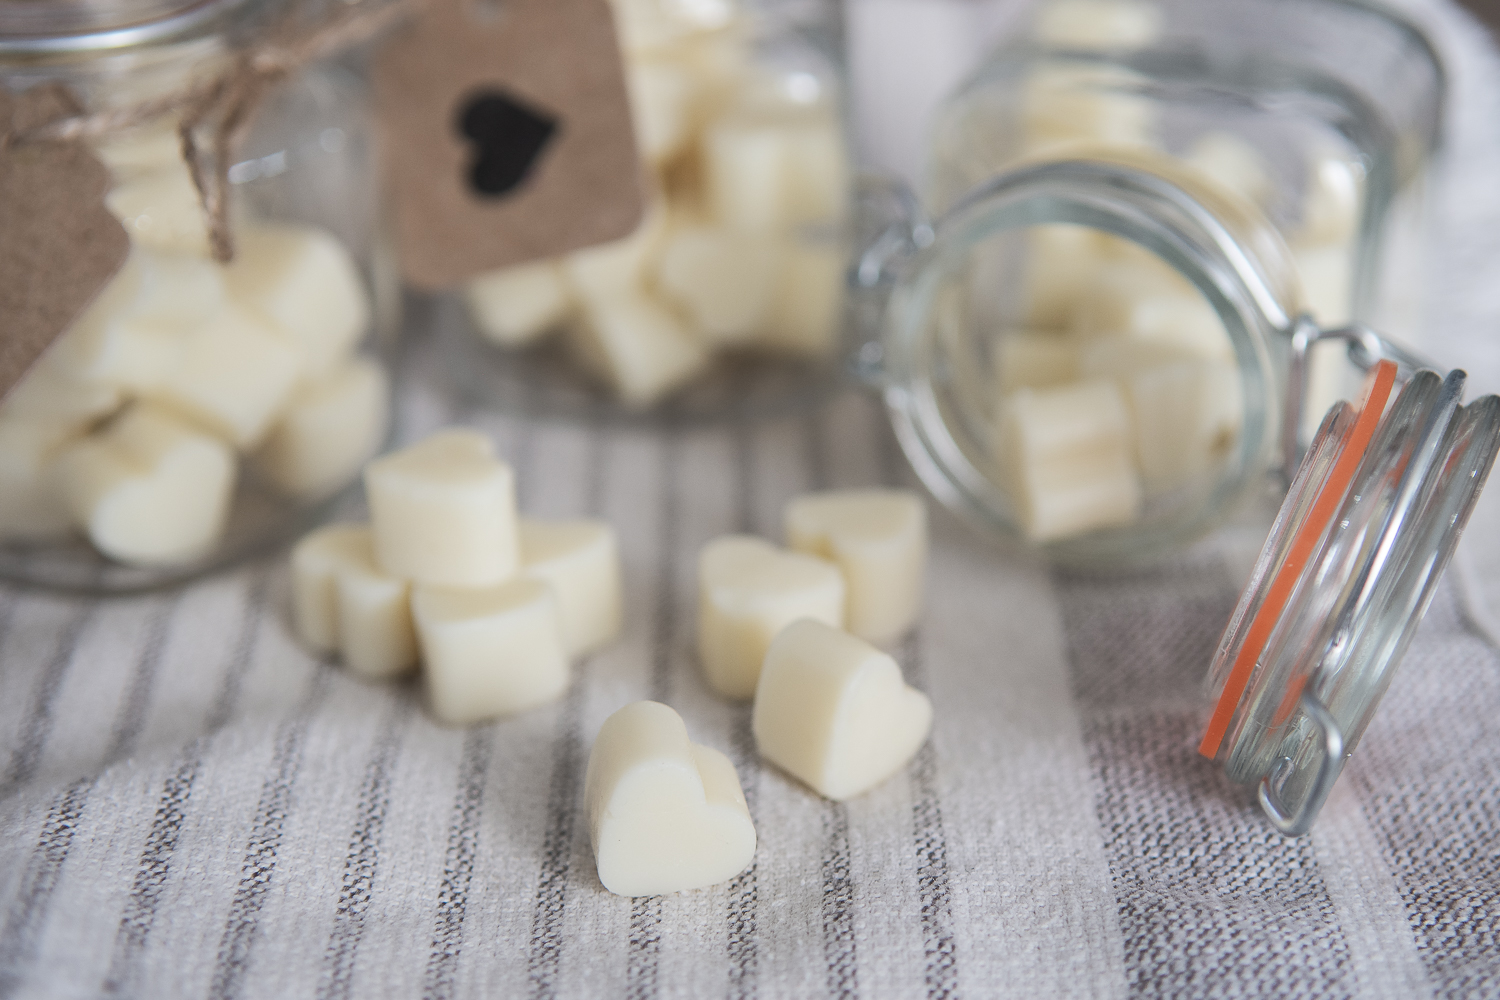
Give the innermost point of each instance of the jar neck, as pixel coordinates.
(1224, 248)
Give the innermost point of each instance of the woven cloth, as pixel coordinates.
(193, 806)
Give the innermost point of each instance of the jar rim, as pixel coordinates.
(46, 27)
(1111, 193)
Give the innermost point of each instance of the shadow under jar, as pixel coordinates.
(198, 413)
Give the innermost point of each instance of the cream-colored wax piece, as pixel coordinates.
(1097, 23)
(580, 560)
(1233, 164)
(665, 814)
(661, 105)
(1034, 358)
(600, 274)
(50, 393)
(878, 538)
(1059, 265)
(1187, 418)
(133, 335)
(233, 374)
(444, 511)
(721, 279)
(1068, 497)
(1332, 197)
(748, 591)
(149, 489)
(648, 25)
(161, 210)
(1066, 104)
(834, 711)
(805, 315)
(775, 172)
(316, 560)
(304, 281)
(638, 346)
(1149, 304)
(342, 602)
(517, 305)
(31, 508)
(1066, 454)
(490, 651)
(327, 430)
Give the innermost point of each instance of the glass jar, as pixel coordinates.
(1144, 212)
(196, 412)
(727, 300)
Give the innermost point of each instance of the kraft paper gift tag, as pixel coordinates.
(59, 245)
(507, 135)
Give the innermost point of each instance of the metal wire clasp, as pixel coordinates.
(1297, 822)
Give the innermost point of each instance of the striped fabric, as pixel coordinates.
(192, 806)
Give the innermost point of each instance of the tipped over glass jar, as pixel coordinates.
(1162, 233)
(197, 412)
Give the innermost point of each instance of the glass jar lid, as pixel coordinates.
(1345, 576)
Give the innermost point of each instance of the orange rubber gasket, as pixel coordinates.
(1377, 391)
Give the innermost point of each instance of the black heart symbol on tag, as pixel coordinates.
(510, 136)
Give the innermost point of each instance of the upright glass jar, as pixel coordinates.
(728, 298)
(198, 412)
(1143, 214)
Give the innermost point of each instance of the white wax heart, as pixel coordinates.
(664, 814)
(748, 590)
(833, 711)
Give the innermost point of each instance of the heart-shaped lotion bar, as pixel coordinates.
(664, 814)
(580, 560)
(748, 590)
(879, 539)
(444, 512)
(834, 711)
(150, 489)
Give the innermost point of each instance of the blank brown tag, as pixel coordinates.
(507, 135)
(59, 246)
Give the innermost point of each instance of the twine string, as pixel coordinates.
(223, 106)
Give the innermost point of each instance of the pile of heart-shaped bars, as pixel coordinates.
(135, 426)
(494, 606)
(830, 708)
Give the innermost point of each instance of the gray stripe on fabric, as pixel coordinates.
(137, 701)
(171, 807)
(1197, 871)
(933, 890)
(642, 970)
(744, 888)
(27, 753)
(545, 957)
(363, 858)
(644, 956)
(458, 865)
(839, 949)
(664, 627)
(1436, 824)
(22, 930)
(838, 904)
(259, 866)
